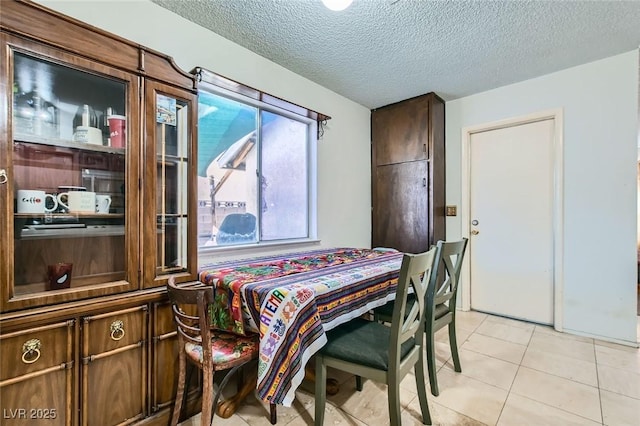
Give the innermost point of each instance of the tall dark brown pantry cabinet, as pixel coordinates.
(408, 174)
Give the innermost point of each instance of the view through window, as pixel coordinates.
(254, 172)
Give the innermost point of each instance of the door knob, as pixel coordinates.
(475, 232)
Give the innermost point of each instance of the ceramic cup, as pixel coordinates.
(103, 202)
(117, 131)
(35, 201)
(78, 201)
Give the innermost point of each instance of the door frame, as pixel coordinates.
(558, 205)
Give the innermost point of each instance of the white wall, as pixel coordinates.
(344, 165)
(600, 106)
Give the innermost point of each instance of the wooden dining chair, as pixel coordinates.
(384, 354)
(225, 351)
(440, 303)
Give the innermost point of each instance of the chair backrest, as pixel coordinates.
(415, 274)
(449, 258)
(191, 328)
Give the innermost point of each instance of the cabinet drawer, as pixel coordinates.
(115, 330)
(36, 349)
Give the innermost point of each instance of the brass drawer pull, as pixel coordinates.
(117, 330)
(31, 351)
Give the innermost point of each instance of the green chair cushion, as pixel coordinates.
(386, 311)
(346, 342)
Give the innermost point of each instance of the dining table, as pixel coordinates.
(291, 300)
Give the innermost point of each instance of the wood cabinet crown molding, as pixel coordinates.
(34, 21)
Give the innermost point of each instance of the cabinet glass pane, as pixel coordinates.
(69, 156)
(172, 136)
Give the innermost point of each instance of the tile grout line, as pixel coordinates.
(595, 357)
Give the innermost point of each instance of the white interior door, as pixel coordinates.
(511, 215)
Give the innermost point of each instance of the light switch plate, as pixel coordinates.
(452, 210)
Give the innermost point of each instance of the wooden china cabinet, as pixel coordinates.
(97, 149)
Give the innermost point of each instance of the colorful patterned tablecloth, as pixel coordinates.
(291, 300)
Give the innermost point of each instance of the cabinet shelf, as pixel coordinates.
(30, 233)
(78, 215)
(64, 143)
(30, 289)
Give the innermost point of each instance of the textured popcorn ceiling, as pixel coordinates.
(378, 52)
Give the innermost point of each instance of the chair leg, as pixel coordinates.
(207, 397)
(454, 346)
(422, 391)
(431, 360)
(321, 390)
(177, 407)
(394, 402)
(359, 383)
(273, 414)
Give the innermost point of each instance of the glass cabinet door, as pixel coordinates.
(67, 160)
(170, 117)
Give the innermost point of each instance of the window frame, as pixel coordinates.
(220, 86)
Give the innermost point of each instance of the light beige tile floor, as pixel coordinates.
(513, 373)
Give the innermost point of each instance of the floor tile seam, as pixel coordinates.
(545, 350)
(597, 386)
(494, 357)
(475, 330)
(352, 415)
(458, 412)
(604, 388)
(557, 408)
(627, 370)
(509, 322)
(504, 404)
(568, 357)
(475, 380)
(618, 393)
(482, 381)
(561, 377)
(560, 408)
(504, 340)
(599, 395)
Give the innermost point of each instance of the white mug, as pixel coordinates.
(78, 201)
(103, 202)
(35, 201)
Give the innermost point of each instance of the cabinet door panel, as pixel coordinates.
(113, 388)
(56, 138)
(36, 378)
(400, 207)
(164, 373)
(400, 132)
(114, 367)
(169, 197)
(36, 401)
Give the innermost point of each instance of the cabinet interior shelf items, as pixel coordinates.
(64, 143)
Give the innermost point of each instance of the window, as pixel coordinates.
(256, 168)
